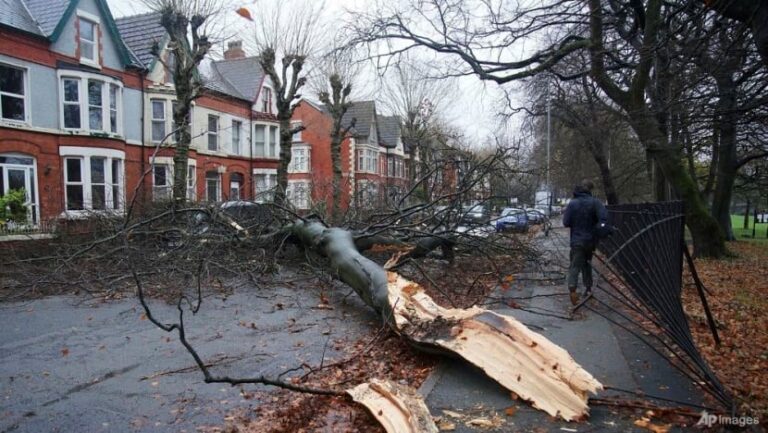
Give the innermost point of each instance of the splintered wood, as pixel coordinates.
(398, 408)
(521, 360)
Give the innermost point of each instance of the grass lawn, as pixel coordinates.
(737, 221)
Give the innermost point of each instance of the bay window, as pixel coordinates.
(259, 140)
(90, 102)
(93, 179)
(367, 160)
(161, 182)
(13, 91)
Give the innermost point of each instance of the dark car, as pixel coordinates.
(477, 214)
(512, 219)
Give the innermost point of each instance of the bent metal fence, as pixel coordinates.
(646, 255)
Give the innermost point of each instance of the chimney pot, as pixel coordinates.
(234, 50)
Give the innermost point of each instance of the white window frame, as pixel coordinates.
(236, 185)
(93, 19)
(301, 161)
(157, 120)
(24, 97)
(213, 134)
(304, 187)
(367, 161)
(218, 186)
(296, 137)
(85, 154)
(191, 175)
(271, 141)
(237, 136)
(266, 192)
(82, 79)
(266, 100)
(162, 192)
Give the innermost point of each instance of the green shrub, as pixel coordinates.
(13, 207)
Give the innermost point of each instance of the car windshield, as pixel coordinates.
(473, 209)
(511, 211)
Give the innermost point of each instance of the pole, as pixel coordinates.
(549, 143)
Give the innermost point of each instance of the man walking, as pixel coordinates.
(583, 214)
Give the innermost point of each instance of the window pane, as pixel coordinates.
(258, 140)
(160, 175)
(98, 195)
(87, 29)
(12, 107)
(158, 109)
(94, 92)
(158, 130)
(213, 123)
(272, 141)
(11, 80)
(115, 197)
(73, 170)
(116, 166)
(213, 142)
(71, 116)
(71, 90)
(94, 118)
(97, 170)
(74, 197)
(113, 96)
(86, 50)
(113, 121)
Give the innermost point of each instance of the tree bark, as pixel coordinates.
(519, 359)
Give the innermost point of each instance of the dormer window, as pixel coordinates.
(88, 31)
(266, 100)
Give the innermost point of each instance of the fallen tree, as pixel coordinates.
(519, 359)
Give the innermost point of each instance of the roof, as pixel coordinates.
(389, 131)
(240, 78)
(13, 13)
(47, 13)
(365, 113)
(140, 33)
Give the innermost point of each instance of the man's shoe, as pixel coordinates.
(588, 292)
(574, 298)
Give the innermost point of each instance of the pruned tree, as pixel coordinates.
(339, 70)
(188, 25)
(286, 33)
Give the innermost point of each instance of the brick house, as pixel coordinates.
(70, 92)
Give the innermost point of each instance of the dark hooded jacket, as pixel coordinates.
(583, 213)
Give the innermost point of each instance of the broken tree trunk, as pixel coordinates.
(398, 408)
(521, 360)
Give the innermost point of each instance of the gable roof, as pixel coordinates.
(240, 78)
(13, 13)
(140, 33)
(365, 113)
(47, 18)
(389, 131)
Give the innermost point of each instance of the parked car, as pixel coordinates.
(535, 216)
(477, 214)
(513, 219)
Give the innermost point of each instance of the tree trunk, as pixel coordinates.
(285, 159)
(336, 140)
(727, 161)
(708, 239)
(611, 195)
(521, 360)
(746, 215)
(181, 155)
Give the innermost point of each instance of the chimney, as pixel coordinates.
(234, 50)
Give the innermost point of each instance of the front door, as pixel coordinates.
(18, 172)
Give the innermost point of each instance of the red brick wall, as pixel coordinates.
(317, 135)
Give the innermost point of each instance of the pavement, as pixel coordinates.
(69, 365)
(610, 354)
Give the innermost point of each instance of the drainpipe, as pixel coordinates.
(250, 152)
(142, 75)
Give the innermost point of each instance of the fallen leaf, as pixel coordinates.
(510, 411)
(655, 428)
(64, 352)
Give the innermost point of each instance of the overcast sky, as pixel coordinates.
(475, 103)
